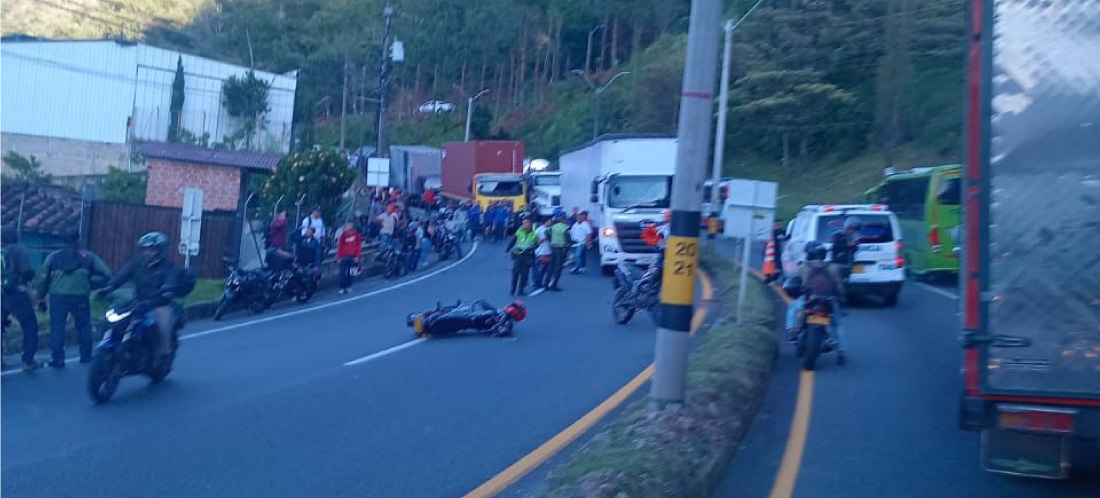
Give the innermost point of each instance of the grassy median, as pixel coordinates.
(682, 451)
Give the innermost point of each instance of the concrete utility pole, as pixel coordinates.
(470, 110)
(720, 132)
(383, 82)
(682, 245)
(344, 105)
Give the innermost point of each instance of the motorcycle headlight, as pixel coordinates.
(113, 317)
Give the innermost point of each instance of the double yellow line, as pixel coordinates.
(540, 455)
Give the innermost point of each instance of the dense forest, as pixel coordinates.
(814, 81)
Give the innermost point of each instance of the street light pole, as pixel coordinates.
(682, 245)
(596, 92)
(470, 110)
(588, 51)
(383, 82)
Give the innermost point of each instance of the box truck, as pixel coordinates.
(624, 182)
(485, 172)
(1030, 279)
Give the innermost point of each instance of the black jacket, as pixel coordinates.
(150, 281)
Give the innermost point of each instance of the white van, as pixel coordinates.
(878, 267)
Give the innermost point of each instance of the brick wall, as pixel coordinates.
(221, 185)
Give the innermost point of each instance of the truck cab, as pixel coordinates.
(545, 192)
(489, 188)
(629, 204)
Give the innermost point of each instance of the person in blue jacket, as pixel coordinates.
(473, 221)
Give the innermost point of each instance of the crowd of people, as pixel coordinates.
(540, 255)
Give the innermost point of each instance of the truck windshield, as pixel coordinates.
(647, 191)
(550, 181)
(496, 188)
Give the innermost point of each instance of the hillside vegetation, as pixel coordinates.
(820, 90)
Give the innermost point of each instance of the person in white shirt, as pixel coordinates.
(542, 255)
(581, 235)
(315, 222)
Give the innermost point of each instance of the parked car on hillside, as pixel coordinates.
(435, 107)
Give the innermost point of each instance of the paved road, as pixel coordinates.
(885, 424)
(269, 409)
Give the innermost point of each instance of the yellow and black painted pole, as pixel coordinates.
(681, 264)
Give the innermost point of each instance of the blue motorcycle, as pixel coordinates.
(127, 348)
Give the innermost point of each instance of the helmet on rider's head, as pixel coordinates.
(154, 246)
(559, 213)
(852, 223)
(516, 310)
(815, 251)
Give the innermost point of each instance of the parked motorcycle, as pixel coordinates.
(447, 243)
(127, 348)
(478, 316)
(393, 259)
(298, 283)
(248, 288)
(635, 289)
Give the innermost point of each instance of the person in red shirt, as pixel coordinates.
(348, 252)
(429, 199)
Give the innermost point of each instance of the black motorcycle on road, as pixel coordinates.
(244, 288)
(394, 260)
(446, 243)
(478, 316)
(127, 348)
(635, 289)
(813, 325)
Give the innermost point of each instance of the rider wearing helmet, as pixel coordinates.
(819, 278)
(155, 280)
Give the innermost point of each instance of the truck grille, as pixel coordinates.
(630, 238)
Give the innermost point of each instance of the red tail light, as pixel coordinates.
(934, 238)
(899, 261)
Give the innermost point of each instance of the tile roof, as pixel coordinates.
(216, 157)
(47, 209)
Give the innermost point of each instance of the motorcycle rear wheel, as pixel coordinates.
(103, 377)
(814, 338)
(621, 311)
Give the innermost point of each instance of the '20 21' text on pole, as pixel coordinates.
(682, 247)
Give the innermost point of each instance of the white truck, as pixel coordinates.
(545, 192)
(624, 182)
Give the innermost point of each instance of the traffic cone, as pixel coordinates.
(769, 260)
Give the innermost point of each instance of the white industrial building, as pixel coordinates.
(78, 105)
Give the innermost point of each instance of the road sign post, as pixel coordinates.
(190, 224)
(682, 246)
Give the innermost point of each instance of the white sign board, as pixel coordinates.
(750, 207)
(378, 172)
(191, 223)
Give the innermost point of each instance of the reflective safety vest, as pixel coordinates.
(525, 240)
(557, 234)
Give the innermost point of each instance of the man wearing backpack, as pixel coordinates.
(15, 301)
(68, 277)
(822, 279)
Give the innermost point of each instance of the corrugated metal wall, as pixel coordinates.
(86, 90)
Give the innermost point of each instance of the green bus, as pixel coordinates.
(927, 203)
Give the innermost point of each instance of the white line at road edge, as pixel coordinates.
(384, 352)
(305, 310)
(937, 290)
(333, 303)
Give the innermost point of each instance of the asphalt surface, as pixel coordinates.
(268, 408)
(884, 425)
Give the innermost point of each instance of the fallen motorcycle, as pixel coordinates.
(478, 316)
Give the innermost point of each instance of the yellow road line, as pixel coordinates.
(540, 455)
(796, 440)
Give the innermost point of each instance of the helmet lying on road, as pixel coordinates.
(516, 310)
(815, 251)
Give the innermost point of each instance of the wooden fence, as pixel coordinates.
(114, 229)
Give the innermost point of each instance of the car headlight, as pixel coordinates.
(607, 232)
(113, 317)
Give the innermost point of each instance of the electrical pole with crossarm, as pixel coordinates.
(682, 246)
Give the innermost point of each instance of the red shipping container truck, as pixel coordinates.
(462, 160)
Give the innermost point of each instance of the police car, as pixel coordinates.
(878, 267)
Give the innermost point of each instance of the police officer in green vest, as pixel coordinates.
(522, 249)
(559, 247)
